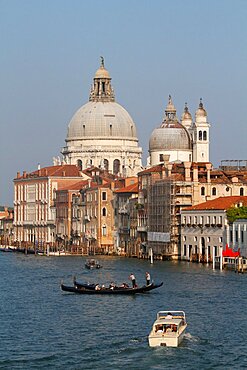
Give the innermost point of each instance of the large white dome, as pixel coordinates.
(101, 119)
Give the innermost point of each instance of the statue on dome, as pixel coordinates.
(102, 62)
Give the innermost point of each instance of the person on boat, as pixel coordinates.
(97, 287)
(133, 279)
(148, 278)
(112, 286)
(124, 285)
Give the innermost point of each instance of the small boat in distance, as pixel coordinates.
(92, 264)
(168, 329)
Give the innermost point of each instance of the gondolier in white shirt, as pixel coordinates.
(148, 278)
(133, 279)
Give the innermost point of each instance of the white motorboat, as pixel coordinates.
(168, 329)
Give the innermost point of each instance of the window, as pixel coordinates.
(204, 135)
(184, 249)
(103, 211)
(200, 135)
(231, 236)
(236, 235)
(213, 191)
(242, 236)
(104, 230)
(201, 220)
(103, 195)
(195, 238)
(241, 192)
(203, 190)
(195, 219)
(79, 164)
(208, 219)
(220, 239)
(116, 166)
(184, 238)
(208, 240)
(161, 158)
(110, 130)
(106, 164)
(214, 220)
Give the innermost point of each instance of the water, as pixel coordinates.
(45, 328)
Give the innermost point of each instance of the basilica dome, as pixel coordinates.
(101, 119)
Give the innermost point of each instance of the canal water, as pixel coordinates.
(45, 328)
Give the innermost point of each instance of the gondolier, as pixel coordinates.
(148, 278)
(133, 279)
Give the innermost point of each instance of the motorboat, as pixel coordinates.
(92, 264)
(168, 329)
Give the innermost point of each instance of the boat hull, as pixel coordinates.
(116, 290)
(166, 340)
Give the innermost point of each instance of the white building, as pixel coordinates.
(102, 133)
(184, 141)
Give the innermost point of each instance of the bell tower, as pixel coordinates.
(200, 135)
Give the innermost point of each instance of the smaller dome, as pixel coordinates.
(172, 137)
(102, 73)
(186, 114)
(201, 112)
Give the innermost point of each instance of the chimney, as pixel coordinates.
(63, 174)
(24, 174)
(208, 167)
(89, 183)
(195, 174)
(169, 167)
(187, 166)
(18, 175)
(46, 172)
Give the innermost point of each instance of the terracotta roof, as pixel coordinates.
(76, 186)
(222, 203)
(67, 170)
(157, 168)
(132, 188)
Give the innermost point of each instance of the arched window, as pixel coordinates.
(241, 193)
(203, 190)
(103, 211)
(79, 164)
(116, 166)
(204, 135)
(200, 135)
(106, 164)
(213, 191)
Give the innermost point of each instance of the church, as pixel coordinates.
(184, 141)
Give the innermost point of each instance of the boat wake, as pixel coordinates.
(191, 338)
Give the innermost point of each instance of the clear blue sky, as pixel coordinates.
(50, 51)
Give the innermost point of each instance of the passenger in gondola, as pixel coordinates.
(148, 278)
(97, 287)
(124, 285)
(133, 279)
(112, 286)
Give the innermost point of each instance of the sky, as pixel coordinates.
(50, 51)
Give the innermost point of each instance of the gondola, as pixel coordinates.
(115, 290)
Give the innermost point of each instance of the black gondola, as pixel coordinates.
(115, 290)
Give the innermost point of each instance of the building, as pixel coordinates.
(206, 227)
(34, 193)
(184, 141)
(122, 199)
(102, 133)
(168, 188)
(6, 226)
